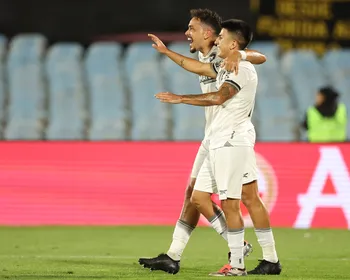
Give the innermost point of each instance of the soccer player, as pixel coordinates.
(202, 33)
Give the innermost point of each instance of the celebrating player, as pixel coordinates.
(202, 33)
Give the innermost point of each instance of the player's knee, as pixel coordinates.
(190, 187)
(250, 195)
(230, 206)
(198, 199)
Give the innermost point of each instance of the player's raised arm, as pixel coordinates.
(189, 64)
(231, 63)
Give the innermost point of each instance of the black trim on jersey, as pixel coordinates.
(250, 113)
(209, 81)
(214, 68)
(233, 84)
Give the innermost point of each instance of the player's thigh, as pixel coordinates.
(199, 160)
(229, 165)
(251, 168)
(205, 180)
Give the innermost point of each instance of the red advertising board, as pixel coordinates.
(135, 183)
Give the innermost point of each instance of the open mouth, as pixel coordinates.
(190, 40)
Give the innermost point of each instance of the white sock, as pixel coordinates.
(218, 223)
(267, 243)
(235, 243)
(181, 235)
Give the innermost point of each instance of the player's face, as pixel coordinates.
(319, 99)
(224, 43)
(195, 35)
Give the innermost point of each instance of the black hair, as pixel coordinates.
(329, 107)
(208, 17)
(241, 29)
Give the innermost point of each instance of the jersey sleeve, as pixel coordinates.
(239, 80)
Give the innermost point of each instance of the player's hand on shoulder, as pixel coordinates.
(158, 44)
(168, 97)
(231, 63)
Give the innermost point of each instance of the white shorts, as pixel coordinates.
(223, 170)
(251, 168)
(250, 171)
(202, 153)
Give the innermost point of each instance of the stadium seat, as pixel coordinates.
(3, 45)
(26, 110)
(268, 48)
(188, 121)
(107, 95)
(26, 49)
(67, 95)
(337, 65)
(278, 120)
(150, 118)
(304, 75)
(271, 51)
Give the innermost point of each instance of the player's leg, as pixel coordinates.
(188, 220)
(201, 197)
(250, 197)
(229, 166)
(260, 217)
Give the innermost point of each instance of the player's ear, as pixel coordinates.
(233, 44)
(207, 34)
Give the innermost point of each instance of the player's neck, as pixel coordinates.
(206, 50)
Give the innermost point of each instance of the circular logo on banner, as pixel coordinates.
(268, 189)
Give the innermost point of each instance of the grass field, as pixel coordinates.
(112, 253)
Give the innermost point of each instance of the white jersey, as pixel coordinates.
(208, 84)
(232, 120)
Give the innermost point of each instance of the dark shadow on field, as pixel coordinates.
(97, 262)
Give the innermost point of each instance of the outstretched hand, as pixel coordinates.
(168, 97)
(158, 44)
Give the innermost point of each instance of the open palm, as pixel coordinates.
(158, 44)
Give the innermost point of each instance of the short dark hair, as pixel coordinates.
(329, 93)
(241, 29)
(208, 17)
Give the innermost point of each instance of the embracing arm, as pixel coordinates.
(255, 57)
(231, 63)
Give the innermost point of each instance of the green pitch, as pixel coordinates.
(112, 253)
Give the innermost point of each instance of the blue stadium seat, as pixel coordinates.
(106, 88)
(268, 48)
(337, 65)
(67, 95)
(276, 116)
(26, 49)
(26, 111)
(188, 121)
(305, 76)
(150, 118)
(278, 119)
(271, 50)
(3, 47)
